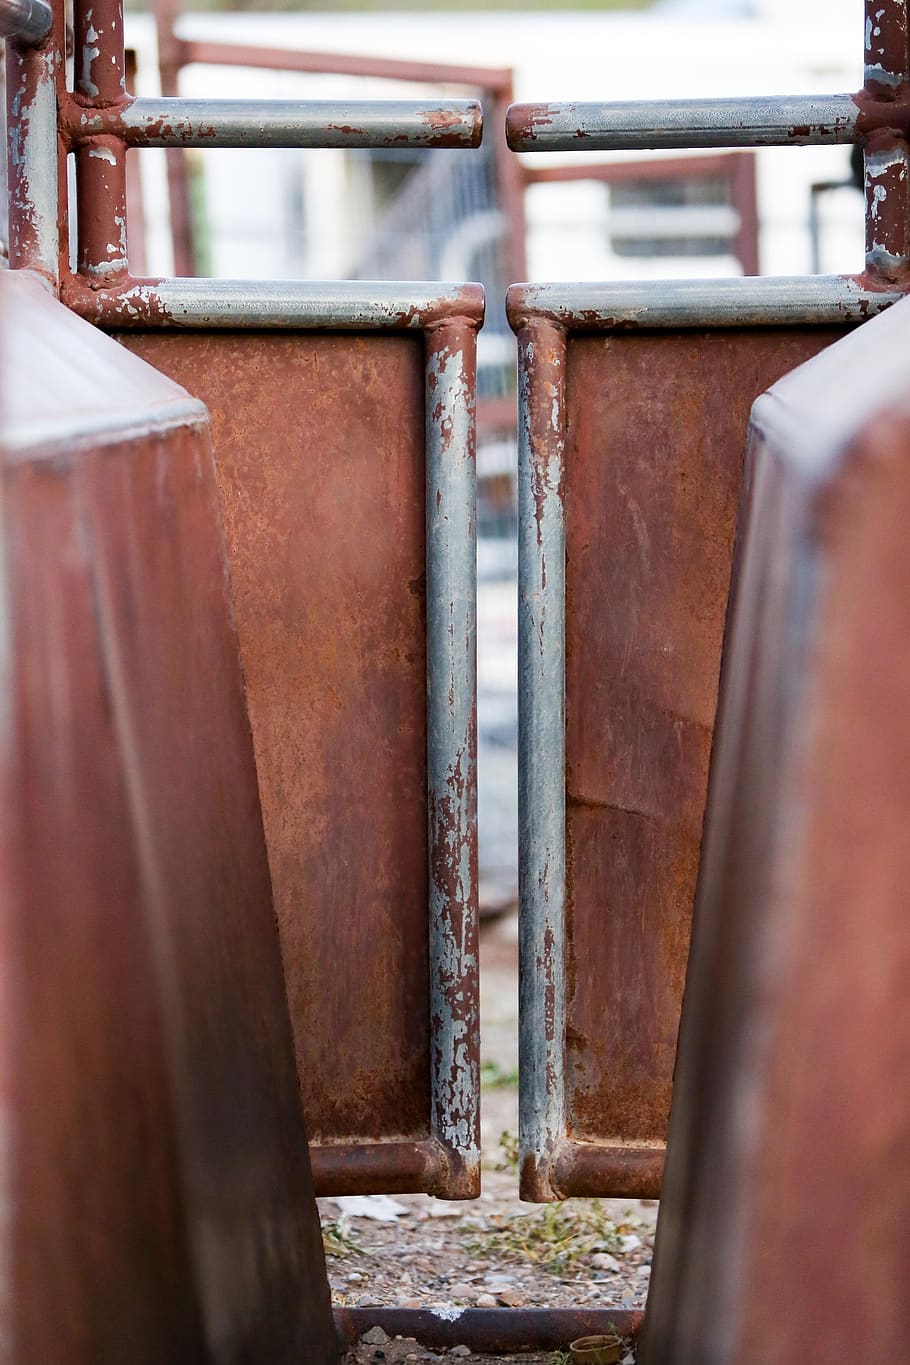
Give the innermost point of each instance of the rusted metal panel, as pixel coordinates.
(347, 478)
(157, 1194)
(655, 432)
(631, 464)
(791, 1117)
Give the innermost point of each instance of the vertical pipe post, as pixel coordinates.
(541, 751)
(31, 93)
(101, 162)
(451, 561)
(170, 60)
(887, 157)
(745, 201)
(511, 181)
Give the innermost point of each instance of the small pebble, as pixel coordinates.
(376, 1337)
(411, 1303)
(630, 1243)
(604, 1261)
(460, 1351)
(462, 1291)
(486, 1301)
(510, 1298)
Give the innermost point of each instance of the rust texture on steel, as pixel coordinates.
(791, 1116)
(488, 1330)
(276, 123)
(100, 80)
(158, 1202)
(32, 74)
(630, 474)
(883, 127)
(347, 479)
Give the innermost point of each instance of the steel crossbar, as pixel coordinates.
(806, 120)
(176, 122)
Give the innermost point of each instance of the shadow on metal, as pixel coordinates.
(158, 1201)
(783, 1229)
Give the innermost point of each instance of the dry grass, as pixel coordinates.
(553, 1237)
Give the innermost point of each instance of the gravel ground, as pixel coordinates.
(495, 1251)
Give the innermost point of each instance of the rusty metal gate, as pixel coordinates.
(634, 401)
(343, 418)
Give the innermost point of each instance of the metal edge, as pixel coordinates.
(172, 122)
(451, 598)
(541, 753)
(773, 121)
(487, 1330)
(344, 305)
(765, 301)
(397, 1167)
(595, 1170)
(64, 439)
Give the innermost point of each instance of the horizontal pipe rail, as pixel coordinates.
(487, 1330)
(767, 301)
(27, 21)
(281, 123)
(344, 305)
(652, 125)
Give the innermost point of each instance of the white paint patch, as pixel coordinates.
(103, 154)
(447, 1314)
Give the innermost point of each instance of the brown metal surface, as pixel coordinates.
(320, 450)
(655, 433)
(783, 1231)
(156, 1186)
(101, 197)
(488, 1330)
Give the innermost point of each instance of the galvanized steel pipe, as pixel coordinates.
(658, 124)
(283, 123)
(541, 753)
(26, 21)
(343, 305)
(765, 301)
(451, 600)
